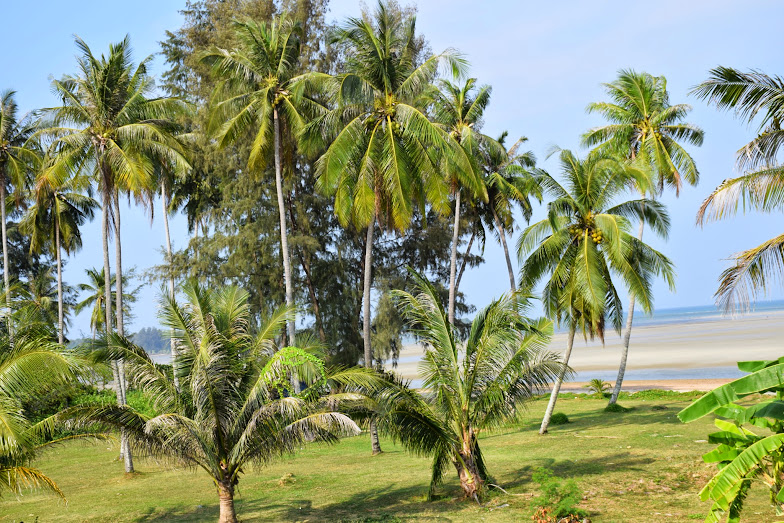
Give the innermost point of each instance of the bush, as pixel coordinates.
(559, 418)
(598, 387)
(614, 407)
(557, 498)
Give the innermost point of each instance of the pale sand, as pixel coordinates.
(699, 344)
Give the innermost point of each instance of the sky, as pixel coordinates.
(545, 61)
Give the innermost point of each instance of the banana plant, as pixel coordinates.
(750, 438)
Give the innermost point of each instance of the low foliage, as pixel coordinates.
(557, 498)
(559, 418)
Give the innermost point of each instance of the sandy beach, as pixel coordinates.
(695, 355)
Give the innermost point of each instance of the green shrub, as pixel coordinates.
(598, 387)
(614, 407)
(558, 497)
(559, 418)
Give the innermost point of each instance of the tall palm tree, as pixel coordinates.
(474, 386)
(94, 296)
(458, 110)
(108, 123)
(258, 91)
(18, 157)
(584, 242)
(645, 128)
(382, 152)
(235, 405)
(61, 207)
(752, 95)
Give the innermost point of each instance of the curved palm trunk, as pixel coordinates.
(165, 203)
(226, 496)
(502, 235)
(468, 470)
(453, 259)
(557, 385)
(368, 352)
(124, 444)
(627, 336)
(60, 320)
(284, 242)
(6, 266)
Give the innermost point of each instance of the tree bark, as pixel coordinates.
(284, 242)
(165, 204)
(471, 480)
(226, 496)
(464, 262)
(6, 266)
(368, 353)
(453, 258)
(627, 336)
(557, 385)
(60, 320)
(502, 235)
(124, 443)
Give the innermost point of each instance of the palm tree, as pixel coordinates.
(458, 110)
(584, 241)
(235, 405)
(61, 207)
(258, 90)
(646, 129)
(760, 188)
(94, 292)
(472, 386)
(107, 123)
(383, 152)
(18, 156)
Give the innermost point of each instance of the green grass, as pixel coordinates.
(642, 465)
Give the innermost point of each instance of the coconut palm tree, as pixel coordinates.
(235, 405)
(584, 242)
(382, 152)
(472, 386)
(258, 93)
(458, 110)
(752, 95)
(645, 128)
(107, 123)
(60, 208)
(18, 157)
(94, 292)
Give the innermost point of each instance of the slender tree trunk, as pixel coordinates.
(368, 354)
(464, 262)
(60, 320)
(165, 204)
(502, 235)
(6, 266)
(124, 444)
(284, 242)
(627, 336)
(226, 496)
(453, 258)
(471, 480)
(557, 385)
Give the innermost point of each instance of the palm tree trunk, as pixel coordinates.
(627, 336)
(60, 321)
(284, 242)
(453, 259)
(368, 354)
(464, 262)
(226, 496)
(165, 203)
(557, 385)
(6, 266)
(124, 444)
(502, 235)
(468, 473)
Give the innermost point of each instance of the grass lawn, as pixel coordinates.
(643, 465)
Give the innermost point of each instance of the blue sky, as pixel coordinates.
(545, 60)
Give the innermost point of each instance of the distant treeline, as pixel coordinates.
(151, 339)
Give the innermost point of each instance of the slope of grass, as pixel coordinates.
(642, 465)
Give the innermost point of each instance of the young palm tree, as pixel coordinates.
(235, 405)
(584, 241)
(760, 188)
(469, 387)
(94, 292)
(258, 91)
(458, 110)
(646, 129)
(18, 157)
(383, 152)
(108, 123)
(61, 207)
